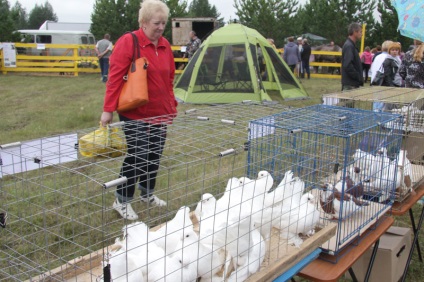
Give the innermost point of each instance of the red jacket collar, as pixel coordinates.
(146, 41)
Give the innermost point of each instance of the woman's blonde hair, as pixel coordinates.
(418, 52)
(149, 8)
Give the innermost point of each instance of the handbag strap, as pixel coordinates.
(135, 56)
(136, 49)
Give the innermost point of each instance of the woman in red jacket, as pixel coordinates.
(145, 127)
(366, 59)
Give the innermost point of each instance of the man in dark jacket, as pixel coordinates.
(304, 56)
(351, 63)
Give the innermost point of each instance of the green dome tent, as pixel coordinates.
(236, 63)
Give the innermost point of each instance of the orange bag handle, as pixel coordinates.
(134, 93)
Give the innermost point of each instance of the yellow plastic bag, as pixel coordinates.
(106, 141)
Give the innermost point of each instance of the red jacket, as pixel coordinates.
(160, 76)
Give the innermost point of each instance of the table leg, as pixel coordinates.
(372, 259)
(352, 275)
(420, 223)
(411, 215)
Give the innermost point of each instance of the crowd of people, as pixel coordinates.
(297, 55)
(386, 65)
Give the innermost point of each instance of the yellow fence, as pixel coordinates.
(74, 59)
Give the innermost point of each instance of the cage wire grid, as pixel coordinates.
(61, 224)
(325, 145)
(60, 213)
(408, 102)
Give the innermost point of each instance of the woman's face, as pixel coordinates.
(154, 27)
(394, 52)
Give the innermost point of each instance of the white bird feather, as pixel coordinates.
(172, 231)
(252, 263)
(301, 218)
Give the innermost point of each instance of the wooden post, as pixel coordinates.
(363, 38)
(76, 55)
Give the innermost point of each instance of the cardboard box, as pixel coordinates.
(391, 257)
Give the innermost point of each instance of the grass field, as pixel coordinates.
(40, 106)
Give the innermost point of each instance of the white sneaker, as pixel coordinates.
(125, 210)
(153, 200)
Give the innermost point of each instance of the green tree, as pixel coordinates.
(119, 16)
(202, 8)
(41, 13)
(131, 14)
(110, 16)
(101, 19)
(271, 18)
(19, 16)
(387, 28)
(331, 17)
(6, 23)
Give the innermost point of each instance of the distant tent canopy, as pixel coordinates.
(315, 40)
(235, 64)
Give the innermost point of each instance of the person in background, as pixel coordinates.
(305, 55)
(300, 43)
(379, 59)
(193, 45)
(104, 50)
(299, 69)
(391, 66)
(145, 127)
(352, 75)
(271, 41)
(291, 54)
(366, 59)
(377, 52)
(412, 67)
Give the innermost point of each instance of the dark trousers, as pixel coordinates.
(366, 69)
(104, 68)
(305, 68)
(145, 144)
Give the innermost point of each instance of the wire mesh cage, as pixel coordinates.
(346, 157)
(59, 222)
(408, 102)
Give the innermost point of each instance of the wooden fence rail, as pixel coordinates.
(72, 59)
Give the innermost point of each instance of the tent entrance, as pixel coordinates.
(224, 69)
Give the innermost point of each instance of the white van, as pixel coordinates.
(55, 37)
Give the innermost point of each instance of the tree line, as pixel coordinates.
(277, 19)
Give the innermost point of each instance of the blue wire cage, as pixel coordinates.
(326, 146)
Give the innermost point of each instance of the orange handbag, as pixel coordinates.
(134, 93)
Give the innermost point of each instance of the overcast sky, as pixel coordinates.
(80, 10)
